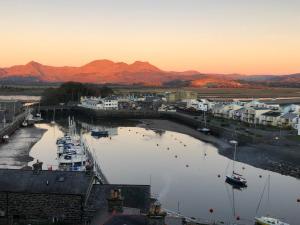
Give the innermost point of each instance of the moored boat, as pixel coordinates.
(99, 133)
(268, 221)
(235, 179)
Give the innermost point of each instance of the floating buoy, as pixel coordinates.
(184, 145)
(157, 144)
(204, 154)
(238, 218)
(243, 168)
(298, 200)
(211, 210)
(260, 176)
(219, 175)
(168, 148)
(110, 138)
(176, 156)
(186, 165)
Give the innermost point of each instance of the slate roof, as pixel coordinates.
(46, 182)
(272, 113)
(290, 116)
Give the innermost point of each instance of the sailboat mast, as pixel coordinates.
(234, 156)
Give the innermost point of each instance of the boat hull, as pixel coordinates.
(235, 182)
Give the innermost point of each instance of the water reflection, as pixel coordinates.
(182, 170)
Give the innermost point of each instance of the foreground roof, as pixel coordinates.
(45, 181)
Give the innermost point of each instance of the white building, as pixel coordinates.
(108, 103)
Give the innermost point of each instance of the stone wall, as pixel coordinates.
(40, 208)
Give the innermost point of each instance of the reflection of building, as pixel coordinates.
(112, 131)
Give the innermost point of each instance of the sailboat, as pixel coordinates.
(234, 178)
(266, 220)
(204, 129)
(53, 121)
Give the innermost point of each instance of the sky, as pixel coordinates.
(212, 36)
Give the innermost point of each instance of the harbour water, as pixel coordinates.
(183, 173)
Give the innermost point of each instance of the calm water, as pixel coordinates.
(183, 171)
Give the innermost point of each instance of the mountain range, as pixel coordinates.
(106, 71)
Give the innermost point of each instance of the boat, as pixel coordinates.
(5, 138)
(235, 179)
(267, 220)
(24, 123)
(264, 220)
(99, 133)
(71, 153)
(204, 129)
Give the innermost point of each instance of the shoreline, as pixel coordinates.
(264, 156)
(15, 153)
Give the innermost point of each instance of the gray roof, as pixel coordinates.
(272, 113)
(47, 182)
(290, 116)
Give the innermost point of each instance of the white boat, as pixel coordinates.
(268, 221)
(71, 154)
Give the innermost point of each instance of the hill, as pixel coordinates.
(143, 73)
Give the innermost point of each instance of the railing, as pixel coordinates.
(97, 169)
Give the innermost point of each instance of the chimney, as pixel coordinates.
(37, 167)
(156, 216)
(115, 201)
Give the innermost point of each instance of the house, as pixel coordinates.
(108, 103)
(290, 119)
(252, 115)
(66, 197)
(271, 118)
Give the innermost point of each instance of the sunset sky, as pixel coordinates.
(214, 36)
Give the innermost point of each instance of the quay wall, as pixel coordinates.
(178, 117)
(116, 114)
(13, 126)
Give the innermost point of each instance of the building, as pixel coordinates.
(271, 118)
(252, 115)
(67, 197)
(290, 119)
(108, 103)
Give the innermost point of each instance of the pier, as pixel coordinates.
(10, 128)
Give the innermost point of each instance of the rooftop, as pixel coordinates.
(272, 113)
(45, 181)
